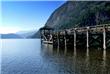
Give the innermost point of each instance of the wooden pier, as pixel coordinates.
(80, 37)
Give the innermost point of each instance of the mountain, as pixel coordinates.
(78, 14)
(26, 34)
(18, 35)
(10, 36)
(36, 35)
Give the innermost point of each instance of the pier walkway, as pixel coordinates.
(83, 37)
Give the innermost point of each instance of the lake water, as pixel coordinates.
(28, 56)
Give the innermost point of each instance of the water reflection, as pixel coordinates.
(104, 62)
(104, 55)
(65, 50)
(87, 60)
(58, 50)
(74, 51)
(29, 57)
(82, 61)
(87, 52)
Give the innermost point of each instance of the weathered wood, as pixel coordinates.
(65, 42)
(58, 40)
(87, 37)
(104, 38)
(96, 40)
(81, 40)
(92, 36)
(108, 39)
(75, 37)
(69, 41)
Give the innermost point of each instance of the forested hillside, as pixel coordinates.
(80, 13)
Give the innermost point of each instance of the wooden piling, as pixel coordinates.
(75, 37)
(104, 38)
(90, 37)
(58, 40)
(65, 43)
(87, 34)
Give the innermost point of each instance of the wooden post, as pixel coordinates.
(58, 40)
(75, 42)
(75, 37)
(87, 35)
(104, 38)
(57, 43)
(65, 43)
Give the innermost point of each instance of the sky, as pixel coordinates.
(25, 15)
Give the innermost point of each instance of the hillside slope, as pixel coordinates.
(80, 13)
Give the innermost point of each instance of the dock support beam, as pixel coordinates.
(75, 37)
(65, 42)
(104, 38)
(87, 35)
(75, 42)
(58, 40)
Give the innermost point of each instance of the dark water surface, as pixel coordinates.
(28, 56)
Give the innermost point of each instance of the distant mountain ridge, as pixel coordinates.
(26, 34)
(18, 35)
(10, 36)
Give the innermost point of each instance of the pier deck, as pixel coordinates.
(82, 37)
